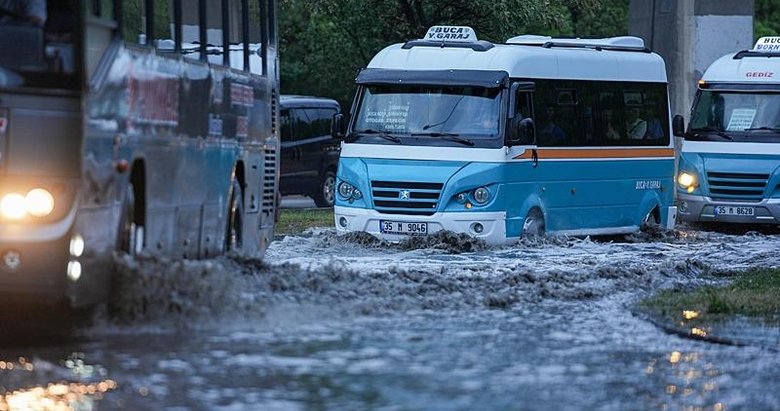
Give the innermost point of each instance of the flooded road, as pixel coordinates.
(444, 323)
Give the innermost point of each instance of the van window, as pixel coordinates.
(286, 121)
(303, 123)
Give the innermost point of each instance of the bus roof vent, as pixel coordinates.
(622, 43)
(450, 36)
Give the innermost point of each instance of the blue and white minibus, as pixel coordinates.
(731, 152)
(565, 136)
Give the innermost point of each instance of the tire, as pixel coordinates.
(326, 194)
(235, 224)
(131, 231)
(533, 225)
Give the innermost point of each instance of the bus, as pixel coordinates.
(137, 127)
(730, 155)
(501, 141)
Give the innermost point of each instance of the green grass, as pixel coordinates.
(295, 221)
(753, 293)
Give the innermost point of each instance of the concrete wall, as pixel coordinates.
(690, 35)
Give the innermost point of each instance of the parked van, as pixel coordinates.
(730, 157)
(309, 154)
(500, 141)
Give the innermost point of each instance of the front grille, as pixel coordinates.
(269, 181)
(422, 197)
(737, 186)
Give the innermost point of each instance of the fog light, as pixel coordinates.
(343, 222)
(13, 206)
(477, 228)
(12, 260)
(74, 270)
(77, 245)
(684, 206)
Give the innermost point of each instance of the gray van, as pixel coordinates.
(309, 154)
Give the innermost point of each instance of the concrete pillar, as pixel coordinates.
(690, 35)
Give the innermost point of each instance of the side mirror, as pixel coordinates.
(678, 126)
(523, 132)
(337, 126)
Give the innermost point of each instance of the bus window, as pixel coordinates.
(133, 22)
(190, 29)
(236, 34)
(214, 38)
(163, 26)
(257, 34)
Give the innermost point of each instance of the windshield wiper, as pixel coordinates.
(712, 130)
(449, 137)
(383, 134)
(775, 129)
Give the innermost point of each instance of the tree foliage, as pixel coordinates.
(325, 42)
(767, 20)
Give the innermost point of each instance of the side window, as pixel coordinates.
(325, 116)
(555, 103)
(609, 123)
(302, 124)
(190, 29)
(236, 34)
(521, 129)
(315, 122)
(103, 8)
(654, 111)
(214, 32)
(163, 25)
(258, 33)
(636, 126)
(286, 121)
(133, 22)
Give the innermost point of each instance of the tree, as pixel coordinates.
(325, 42)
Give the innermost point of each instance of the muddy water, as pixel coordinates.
(349, 322)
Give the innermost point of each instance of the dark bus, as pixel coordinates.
(132, 126)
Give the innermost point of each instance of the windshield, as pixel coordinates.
(736, 116)
(428, 113)
(37, 44)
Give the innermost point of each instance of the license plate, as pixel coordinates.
(400, 227)
(731, 210)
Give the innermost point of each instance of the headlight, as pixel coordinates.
(687, 181)
(37, 203)
(346, 190)
(481, 195)
(13, 206)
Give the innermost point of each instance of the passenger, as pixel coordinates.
(655, 129)
(551, 133)
(610, 132)
(29, 12)
(636, 126)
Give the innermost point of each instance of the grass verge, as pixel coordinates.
(295, 221)
(754, 294)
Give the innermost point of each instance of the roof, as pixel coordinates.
(292, 100)
(744, 67)
(616, 58)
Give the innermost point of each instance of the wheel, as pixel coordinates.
(132, 239)
(652, 220)
(326, 195)
(533, 226)
(235, 224)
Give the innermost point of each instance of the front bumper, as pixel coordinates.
(360, 219)
(693, 208)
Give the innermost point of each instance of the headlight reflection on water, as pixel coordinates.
(690, 382)
(56, 396)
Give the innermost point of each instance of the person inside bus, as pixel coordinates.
(23, 12)
(550, 132)
(609, 127)
(655, 129)
(636, 126)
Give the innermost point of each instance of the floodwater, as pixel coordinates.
(444, 323)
